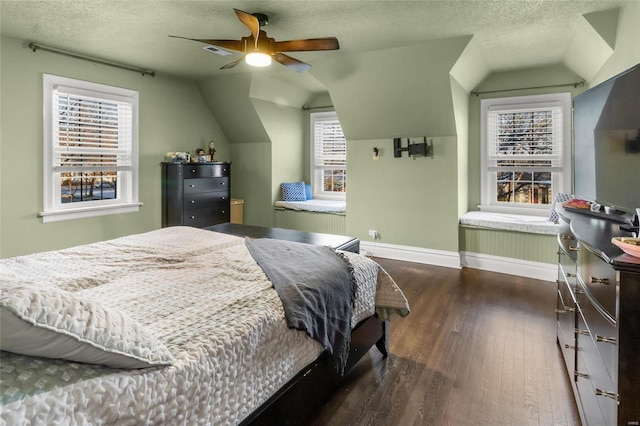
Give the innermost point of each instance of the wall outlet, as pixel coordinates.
(373, 233)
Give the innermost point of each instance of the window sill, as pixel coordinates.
(528, 211)
(81, 213)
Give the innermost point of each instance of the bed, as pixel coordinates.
(189, 326)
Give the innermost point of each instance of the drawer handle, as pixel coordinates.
(583, 332)
(569, 275)
(192, 186)
(603, 339)
(567, 237)
(574, 248)
(193, 201)
(579, 291)
(565, 310)
(222, 183)
(614, 396)
(193, 170)
(567, 346)
(193, 217)
(222, 211)
(579, 374)
(595, 280)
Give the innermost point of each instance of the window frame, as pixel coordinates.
(316, 175)
(560, 175)
(127, 193)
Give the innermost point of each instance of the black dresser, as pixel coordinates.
(196, 194)
(598, 314)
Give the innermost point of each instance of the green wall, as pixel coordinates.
(173, 117)
(409, 201)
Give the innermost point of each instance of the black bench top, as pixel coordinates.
(338, 242)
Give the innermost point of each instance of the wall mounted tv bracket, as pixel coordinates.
(421, 149)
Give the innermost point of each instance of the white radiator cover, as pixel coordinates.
(311, 221)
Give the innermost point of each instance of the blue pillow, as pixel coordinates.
(308, 192)
(293, 191)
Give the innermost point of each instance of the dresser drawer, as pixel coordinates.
(586, 398)
(604, 335)
(600, 280)
(214, 199)
(567, 270)
(206, 217)
(194, 186)
(567, 242)
(566, 325)
(205, 170)
(592, 369)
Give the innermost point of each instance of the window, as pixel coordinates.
(328, 156)
(90, 149)
(526, 152)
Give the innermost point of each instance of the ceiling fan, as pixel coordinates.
(259, 49)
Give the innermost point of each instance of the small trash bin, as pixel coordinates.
(237, 210)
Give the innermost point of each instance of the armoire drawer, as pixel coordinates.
(193, 186)
(205, 171)
(600, 280)
(216, 199)
(205, 217)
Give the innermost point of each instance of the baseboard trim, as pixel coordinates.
(447, 259)
(511, 266)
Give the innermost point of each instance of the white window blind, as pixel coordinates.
(328, 156)
(525, 138)
(90, 134)
(330, 145)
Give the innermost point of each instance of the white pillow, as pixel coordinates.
(53, 323)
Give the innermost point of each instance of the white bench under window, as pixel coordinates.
(315, 205)
(509, 222)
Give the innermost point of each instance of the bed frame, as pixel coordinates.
(296, 400)
(310, 388)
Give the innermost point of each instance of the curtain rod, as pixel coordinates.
(35, 47)
(307, 108)
(576, 84)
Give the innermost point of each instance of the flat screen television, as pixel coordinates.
(606, 137)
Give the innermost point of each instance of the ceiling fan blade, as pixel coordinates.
(237, 45)
(291, 63)
(232, 64)
(250, 22)
(326, 43)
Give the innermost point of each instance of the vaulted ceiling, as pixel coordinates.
(507, 34)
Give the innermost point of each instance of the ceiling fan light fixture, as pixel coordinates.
(258, 59)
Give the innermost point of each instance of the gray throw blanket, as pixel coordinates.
(317, 289)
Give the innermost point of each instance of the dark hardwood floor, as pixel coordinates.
(479, 348)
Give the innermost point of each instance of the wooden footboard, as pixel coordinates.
(292, 404)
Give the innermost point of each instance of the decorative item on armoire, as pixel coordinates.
(177, 157)
(212, 151)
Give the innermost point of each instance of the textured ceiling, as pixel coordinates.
(510, 34)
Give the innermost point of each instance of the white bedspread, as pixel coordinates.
(203, 296)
